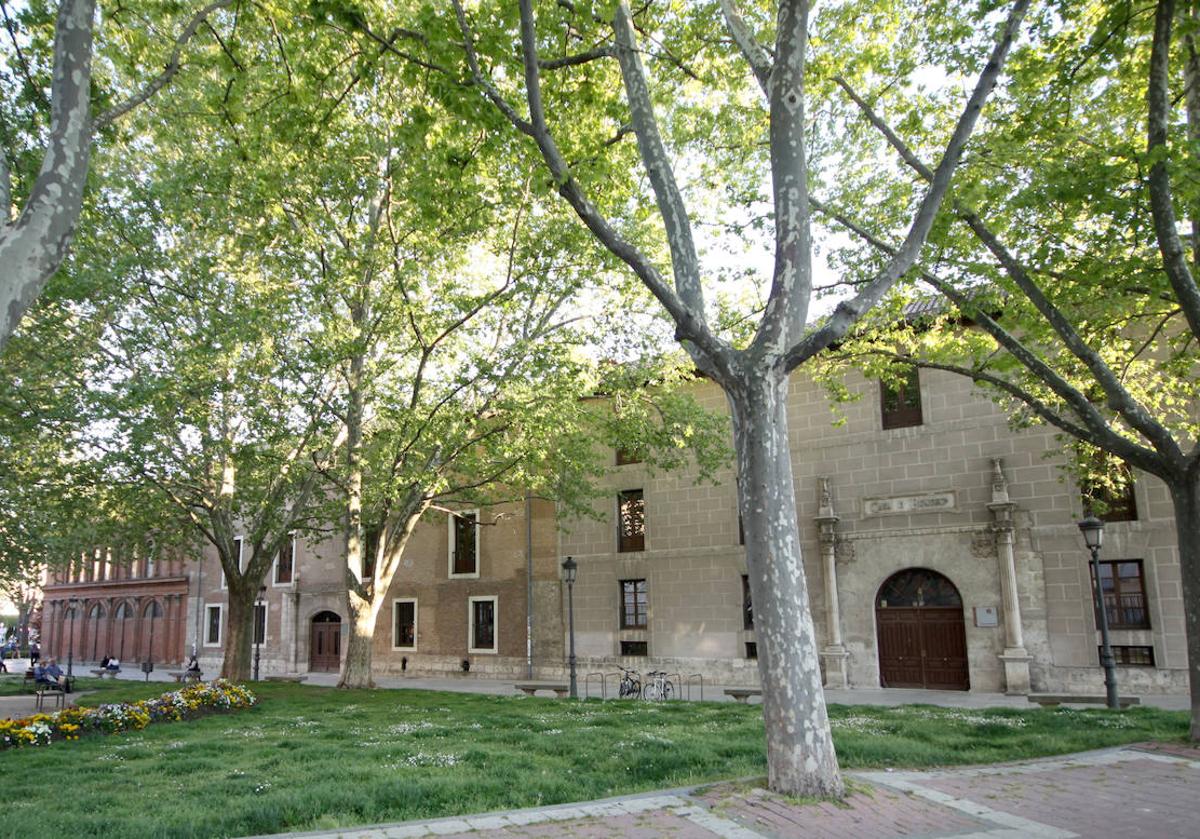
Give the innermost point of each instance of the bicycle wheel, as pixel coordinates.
(651, 692)
(667, 689)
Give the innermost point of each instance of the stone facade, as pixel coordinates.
(959, 494)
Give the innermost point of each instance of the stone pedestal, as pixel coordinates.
(1016, 671)
(837, 666)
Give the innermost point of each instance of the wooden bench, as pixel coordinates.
(743, 694)
(281, 678)
(185, 675)
(100, 673)
(531, 688)
(1053, 699)
(46, 690)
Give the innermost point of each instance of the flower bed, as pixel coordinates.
(68, 724)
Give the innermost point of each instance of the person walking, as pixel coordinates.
(35, 652)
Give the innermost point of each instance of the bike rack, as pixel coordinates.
(688, 685)
(587, 682)
(678, 684)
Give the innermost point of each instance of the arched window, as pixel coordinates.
(917, 587)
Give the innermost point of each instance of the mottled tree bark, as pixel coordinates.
(1185, 495)
(799, 741)
(239, 630)
(34, 246)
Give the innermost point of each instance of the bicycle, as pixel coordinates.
(631, 684)
(658, 687)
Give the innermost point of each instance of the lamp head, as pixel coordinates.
(1093, 532)
(570, 568)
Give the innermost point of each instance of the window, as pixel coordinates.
(212, 631)
(634, 648)
(464, 544)
(1111, 498)
(741, 530)
(482, 613)
(260, 623)
(404, 624)
(747, 606)
(370, 551)
(901, 400)
(631, 527)
(1123, 587)
(751, 649)
(286, 561)
(633, 604)
(627, 456)
(237, 551)
(1129, 656)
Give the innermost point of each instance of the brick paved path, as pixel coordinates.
(1129, 792)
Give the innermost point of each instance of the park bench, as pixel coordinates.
(100, 673)
(1053, 699)
(293, 679)
(531, 688)
(185, 675)
(45, 690)
(743, 694)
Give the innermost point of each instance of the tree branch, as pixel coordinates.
(169, 72)
(752, 50)
(848, 312)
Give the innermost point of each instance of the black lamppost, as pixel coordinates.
(1093, 537)
(260, 629)
(570, 567)
(73, 603)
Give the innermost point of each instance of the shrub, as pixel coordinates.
(68, 724)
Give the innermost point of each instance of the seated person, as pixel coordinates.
(113, 664)
(104, 662)
(54, 673)
(42, 677)
(193, 666)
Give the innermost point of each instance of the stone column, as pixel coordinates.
(834, 654)
(1015, 658)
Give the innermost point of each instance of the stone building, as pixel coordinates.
(941, 549)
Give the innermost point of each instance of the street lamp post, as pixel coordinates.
(570, 568)
(73, 603)
(259, 630)
(1093, 537)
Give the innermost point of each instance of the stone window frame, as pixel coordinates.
(275, 581)
(495, 648)
(626, 644)
(908, 413)
(1116, 578)
(266, 611)
(623, 613)
(396, 601)
(241, 543)
(208, 610)
(747, 605)
(452, 544)
(634, 542)
(1124, 653)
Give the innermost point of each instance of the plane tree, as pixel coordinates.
(729, 107)
(1067, 259)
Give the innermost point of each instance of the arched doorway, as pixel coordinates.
(122, 639)
(152, 625)
(922, 639)
(95, 627)
(325, 642)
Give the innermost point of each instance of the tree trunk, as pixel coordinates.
(356, 669)
(239, 631)
(1186, 497)
(800, 755)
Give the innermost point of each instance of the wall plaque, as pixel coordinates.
(986, 616)
(926, 502)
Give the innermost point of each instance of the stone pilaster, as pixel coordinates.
(1015, 658)
(834, 653)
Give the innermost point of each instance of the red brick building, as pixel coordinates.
(132, 611)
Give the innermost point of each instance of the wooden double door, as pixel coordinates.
(922, 637)
(325, 643)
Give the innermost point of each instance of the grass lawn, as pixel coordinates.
(311, 758)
